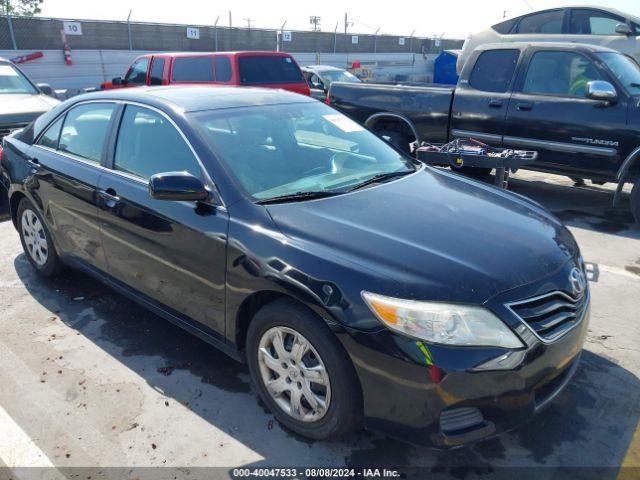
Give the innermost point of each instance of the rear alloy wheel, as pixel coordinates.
(36, 241)
(302, 372)
(635, 201)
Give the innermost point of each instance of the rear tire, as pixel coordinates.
(316, 394)
(36, 240)
(635, 201)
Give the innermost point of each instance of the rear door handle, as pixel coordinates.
(110, 198)
(524, 106)
(494, 103)
(34, 163)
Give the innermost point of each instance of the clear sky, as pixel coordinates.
(454, 18)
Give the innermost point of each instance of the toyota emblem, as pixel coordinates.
(578, 281)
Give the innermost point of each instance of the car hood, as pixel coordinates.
(436, 235)
(24, 107)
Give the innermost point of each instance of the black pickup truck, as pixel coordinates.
(577, 105)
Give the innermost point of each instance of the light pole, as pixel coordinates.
(129, 29)
(281, 43)
(375, 40)
(215, 31)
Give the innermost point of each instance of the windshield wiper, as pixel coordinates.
(634, 85)
(380, 177)
(297, 197)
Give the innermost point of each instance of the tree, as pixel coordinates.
(25, 8)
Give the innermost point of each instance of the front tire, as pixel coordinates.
(302, 373)
(36, 240)
(635, 201)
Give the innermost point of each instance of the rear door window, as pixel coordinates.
(593, 22)
(148, 144)
(265, 69)
(85, 130)
(563, 74)
(157, 69)
(137, 73)
(223, 68)
(193, 69)
(549, 22)
(494, 70)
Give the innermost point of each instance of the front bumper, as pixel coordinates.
(439, 396)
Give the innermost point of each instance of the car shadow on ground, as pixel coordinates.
(597, 413)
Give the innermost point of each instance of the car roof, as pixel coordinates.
(565, 45)
(192, 98)
(324, 68)
(264, 53)
(615, 11)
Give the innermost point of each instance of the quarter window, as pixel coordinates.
(157, 69)
(560, 73)
(137, 74)
(148, 144)
(594, 22)
(494, 70)
(549, 22)
(85, 130)
(50, 137)
(193, 69)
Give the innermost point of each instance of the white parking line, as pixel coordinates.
(16, 447)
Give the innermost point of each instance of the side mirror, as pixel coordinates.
(600, 90)
(117, 81)
(623, 29)
(177, 186)
(45, 88)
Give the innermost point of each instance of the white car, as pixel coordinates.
(601, 26)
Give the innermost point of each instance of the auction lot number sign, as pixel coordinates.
(72, 28)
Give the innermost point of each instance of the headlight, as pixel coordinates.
(443, 323)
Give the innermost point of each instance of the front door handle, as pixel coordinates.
(110, 198)
(524, 106)
(495, 103)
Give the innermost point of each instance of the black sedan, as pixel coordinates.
(361, 287)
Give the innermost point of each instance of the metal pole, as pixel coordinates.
(129, 29)
(11, 34)
(411, 41)
(375, 41)
(335, 37)
(230, 31)
(281, 36)
(215, 31)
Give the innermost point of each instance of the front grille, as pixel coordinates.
(552, 315)
(6, 129)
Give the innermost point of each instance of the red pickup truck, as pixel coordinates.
(250, 69)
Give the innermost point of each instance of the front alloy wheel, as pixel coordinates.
(302, 372)
(294, 374)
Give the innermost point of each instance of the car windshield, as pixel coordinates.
(12, 81)
(626, 70)
(293, 149)
(331, 76)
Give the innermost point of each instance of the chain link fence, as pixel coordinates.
(37, 33)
